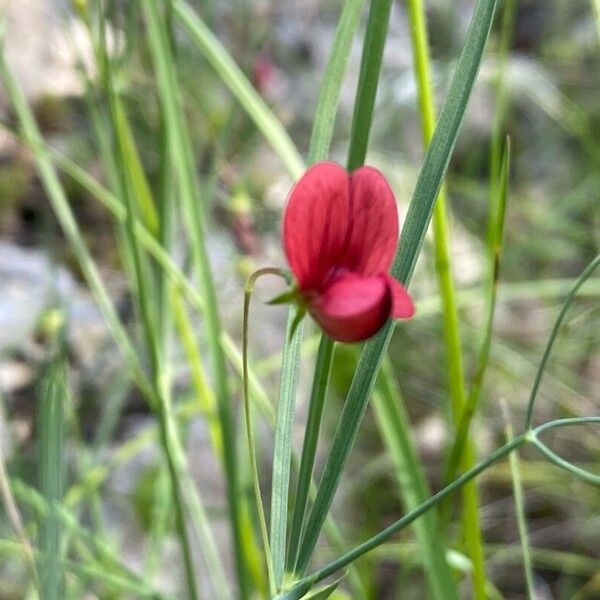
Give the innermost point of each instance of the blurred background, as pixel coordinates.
(111, 463)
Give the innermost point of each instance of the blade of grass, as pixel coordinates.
(67, 221)
(469, 408)
(282, 447)
(185, 172)
(309, 446)
(51, 475)
(303, 585)
(518, 496)
(135, 172)
(239, 85)
(393, 422)
(131, 176)
(415, 226)
(370, 67)
(329, 94)
(449, 316)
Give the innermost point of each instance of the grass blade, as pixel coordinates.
(66, 219)
(329, 93)
(282, 450)
(393, 422)
(309, 447)
(50, 419)
(370, 67)
(517, 484)
(241, 88)
(413, 233)
(469, 409)
(182, 156)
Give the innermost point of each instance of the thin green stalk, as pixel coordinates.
(269, 556)
(585, 275)
(329, 93)
(50, 419)
(394, 424)
(443, 264)
(131, 188)
(517, 484)
(499, 123)
(303, 585)
(415, 226)
(182, 156)
(370, 67)
(470, 407)
(309, 447)
(282, 447)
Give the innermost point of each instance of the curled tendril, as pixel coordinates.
(533, 434)
(585, 275)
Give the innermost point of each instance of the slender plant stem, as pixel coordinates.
(370, 68)
(518, 495)
(495, 248)
(392, 418)
(309, 447)
(307, 582)
(282, 447)
(269, 556)
(585, 275)
(159, 383)
(182, 155)
(452, 342)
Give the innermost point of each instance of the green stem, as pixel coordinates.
(370, 68)
(495, 247)
(309, 446)
(586, 273)
(452, 342)
(50, 422)
(152, 345)
(248, 288)
(520, 514)
(304, 584)
(393, 421)
(282, 447)
(181, 151)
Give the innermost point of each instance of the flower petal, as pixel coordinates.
(373, 229)
(402, 304)
(353, 308)
(315, 224)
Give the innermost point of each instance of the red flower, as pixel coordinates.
(340, 232)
